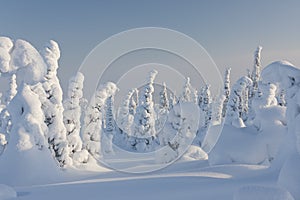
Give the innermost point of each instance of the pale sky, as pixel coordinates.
(228, 30)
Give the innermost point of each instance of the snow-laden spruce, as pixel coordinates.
(5, 116)
(126, 113)
(164, 100)
(226, 91)
(189, 94)
(27, 155)
(50, 94)
(255, 76)
(144, 119)
(71, 116)
(205, 107)
(179, 131)
(237, 104)
(110, 126)
(92, 129)
(12, 90)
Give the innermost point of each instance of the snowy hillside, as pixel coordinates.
(243, 143)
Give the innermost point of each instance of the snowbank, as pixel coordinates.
(246, 145)
(194, 153)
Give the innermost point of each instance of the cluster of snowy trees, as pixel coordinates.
(35, 117)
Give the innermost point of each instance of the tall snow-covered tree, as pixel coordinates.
(92, 129)
(226, 91)
(51, 97)
(256, 71)
(236, 106)
(164, 100)
(189, 94)
(3, 142)
(217, 108)
(172, 100)
(144, 117)
(126, 113)
(110, 126)
(72, 113)
(133, 101)
(206, 106)
(12, 91)
(5, 118)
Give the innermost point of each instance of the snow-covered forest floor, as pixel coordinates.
(185, 179)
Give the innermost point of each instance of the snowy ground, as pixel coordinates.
(183, 179)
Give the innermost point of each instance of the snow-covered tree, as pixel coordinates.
(172, 100)
(184, 123)
(125, 116)
(226, 91)
(217, 109)
(267, 97)
(92, 129)
(281, 98)
(28, 119)
(110, 126)
(5, 123)
(206, 106)
(5, 116)
(51, 97)
(27, 154)
(164, 101)
(3, 142)
(255, 76)
(72, 113)
(12, 91)
(189, 94)
(133, 101)
(236, 105)
(144, 117)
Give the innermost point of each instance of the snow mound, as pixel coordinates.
(280, 72)
(195, 153)
(262, 193)
(246, 145)
(7, 192)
